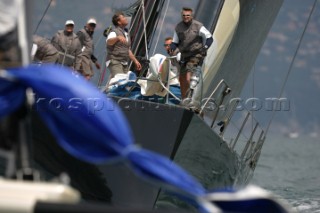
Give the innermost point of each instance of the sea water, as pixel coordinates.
(290, 168)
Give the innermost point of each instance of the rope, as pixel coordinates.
(292, 62)
(164, 87)
(161, 26)
(42, 17)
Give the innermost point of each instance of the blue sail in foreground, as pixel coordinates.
(92, 128)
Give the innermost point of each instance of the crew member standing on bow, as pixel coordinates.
(85, 36)
(192, 40)
(119, 47)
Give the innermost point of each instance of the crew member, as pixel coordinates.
(85, 36)
(119, 47)
(192, 40)
(69, 46)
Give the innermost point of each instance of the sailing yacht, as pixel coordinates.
(196, 141)
(188, 138)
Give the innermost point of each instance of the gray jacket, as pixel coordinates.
(69, 48)
(119, 51)
(190, 42)
(45, 48)
(86, 41)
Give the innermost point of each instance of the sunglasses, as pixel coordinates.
(166, 45)
(186, 15)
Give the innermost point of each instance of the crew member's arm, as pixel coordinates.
(174, 44)
(206, 37)
(113, 38)
(135, 61)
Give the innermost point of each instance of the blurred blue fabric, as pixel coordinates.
(91, 127)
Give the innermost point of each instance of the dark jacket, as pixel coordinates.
(190, 42)
(86, 41)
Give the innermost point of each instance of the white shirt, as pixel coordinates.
(113, 35)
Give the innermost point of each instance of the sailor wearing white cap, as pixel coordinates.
(92, 21)
(69, 22)
(68, 45)
(85, 36)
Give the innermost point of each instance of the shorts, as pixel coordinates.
(117, 67)
(191, 63)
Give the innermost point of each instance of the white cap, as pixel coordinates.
(68, 22)
(92, 21)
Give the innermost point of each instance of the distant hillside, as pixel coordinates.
(272, 66)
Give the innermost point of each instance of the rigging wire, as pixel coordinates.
(253, 94)
(292, 62)
(161, 26)
(153, 33)
(103, 34)
(237, 128)
(135, 17)
(104, 65)
(103, 70)
(145, 31)
(45, 12)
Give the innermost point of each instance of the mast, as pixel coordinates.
(23, 32)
